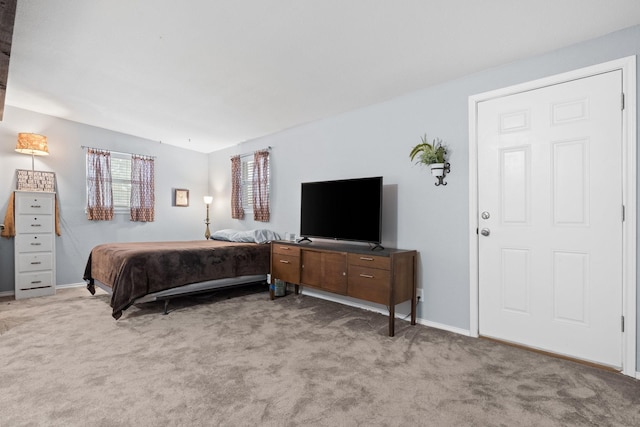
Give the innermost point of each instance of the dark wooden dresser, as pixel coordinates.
(386, 276)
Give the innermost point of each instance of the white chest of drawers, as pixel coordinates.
(35, 254)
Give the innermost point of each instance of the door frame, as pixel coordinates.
(629, 190)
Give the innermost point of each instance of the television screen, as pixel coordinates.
(348, 209)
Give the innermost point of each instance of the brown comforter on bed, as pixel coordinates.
(135, 269)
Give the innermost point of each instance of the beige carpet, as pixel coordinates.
(238, 359)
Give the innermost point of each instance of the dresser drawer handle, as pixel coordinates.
(36, 206)
(36, 225)
(284, 261)
(36, 244)
(366, 276)
(363, 258)
(285, 248)
(36, 262)
(35, 282)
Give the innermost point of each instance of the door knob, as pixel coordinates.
(485, 215)
(485, 231)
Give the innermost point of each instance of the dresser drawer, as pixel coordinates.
(284, 249)
(35, 262)
(34, 224)
(370, 284)
(371, 261)
(34, 204)
(39, 279)
(285, 267)
(34, 243)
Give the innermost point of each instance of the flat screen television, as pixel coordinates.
(347, 209)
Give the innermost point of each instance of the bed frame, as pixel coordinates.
(192, 288)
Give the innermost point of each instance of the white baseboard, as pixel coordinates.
(381, 310)
(72, 285)
(68, 285)
(444, 327)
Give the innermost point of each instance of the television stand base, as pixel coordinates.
(304, 239)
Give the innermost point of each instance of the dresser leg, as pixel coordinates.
(414, 308)
(392, 320)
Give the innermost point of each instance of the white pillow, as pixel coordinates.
(225, 235)
(264, 235)
(247, 236)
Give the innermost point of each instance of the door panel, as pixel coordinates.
(549, 175)
(325, 270)
(571, 182)
(515, 280)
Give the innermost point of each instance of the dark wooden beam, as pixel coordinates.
(7, 18)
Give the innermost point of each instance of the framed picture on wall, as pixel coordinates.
(30, 180)
(181, 197)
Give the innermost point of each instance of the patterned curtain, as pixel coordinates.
(261, 186)
(100, 196)
(236, 188)
(142, 188)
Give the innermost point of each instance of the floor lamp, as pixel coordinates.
(207, 201)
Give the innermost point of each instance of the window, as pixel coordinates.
(250, 186)
(248, 164)
(247, 184)
(121, 181)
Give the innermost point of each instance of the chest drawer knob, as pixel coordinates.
(366, 276)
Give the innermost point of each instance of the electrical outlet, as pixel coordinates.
(420, 294)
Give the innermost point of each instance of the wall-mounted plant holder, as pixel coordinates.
(440, 171)
(433, 155)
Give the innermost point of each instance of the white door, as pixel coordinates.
(550, 200)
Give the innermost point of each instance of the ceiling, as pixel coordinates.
(208, 74)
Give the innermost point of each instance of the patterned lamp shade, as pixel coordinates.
(32, 143)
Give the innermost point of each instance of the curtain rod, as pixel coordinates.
(116, 152)
(249, 154)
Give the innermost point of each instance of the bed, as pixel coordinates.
(137, 272)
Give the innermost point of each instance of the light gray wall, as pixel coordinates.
(371, 141)
(174, 168)
(376, 141)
